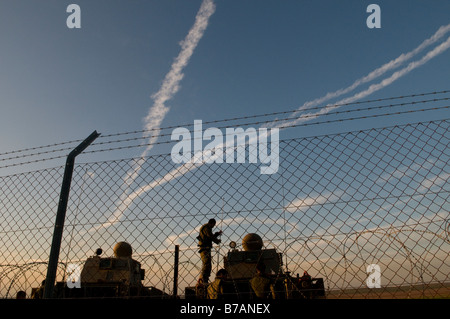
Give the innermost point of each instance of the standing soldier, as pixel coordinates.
(205, 242)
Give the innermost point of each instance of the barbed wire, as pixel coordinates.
(228, 120)
(284, 127)
(303, 117)
(280, 113)
(247, 124)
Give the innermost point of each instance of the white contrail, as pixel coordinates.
(397, 75)
(172, 80)
(391, 65)
(157, 113)
(187, 167)
(374, 87)
(171, 84)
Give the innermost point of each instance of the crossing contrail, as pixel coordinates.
(374, 87)
(170, 86)
(391, 65)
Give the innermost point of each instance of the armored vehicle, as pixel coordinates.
(241, 268)
(101, 277)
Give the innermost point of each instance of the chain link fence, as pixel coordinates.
(337, 205)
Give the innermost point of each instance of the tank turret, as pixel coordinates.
(123, 250)
(117, 276)
(241, 267)
(120, 268)
(252, 242)
(241, 264)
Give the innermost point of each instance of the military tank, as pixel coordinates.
(241, 268)
(116, 277)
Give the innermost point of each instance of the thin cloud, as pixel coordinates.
(321, 199)
(436, 180)
(406, 171)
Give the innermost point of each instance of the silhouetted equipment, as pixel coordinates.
(61, 214)
(252, 242)
(241, 267)
(242, 264)
(123, 250)
(118, 276)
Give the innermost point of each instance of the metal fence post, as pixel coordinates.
(175, 272)
(61, 214)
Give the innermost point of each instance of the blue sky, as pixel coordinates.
(59, 84)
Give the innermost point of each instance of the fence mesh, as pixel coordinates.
(338, 204)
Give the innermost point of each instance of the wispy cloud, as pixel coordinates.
(406, 171)
(319, 199)
(436, 180)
